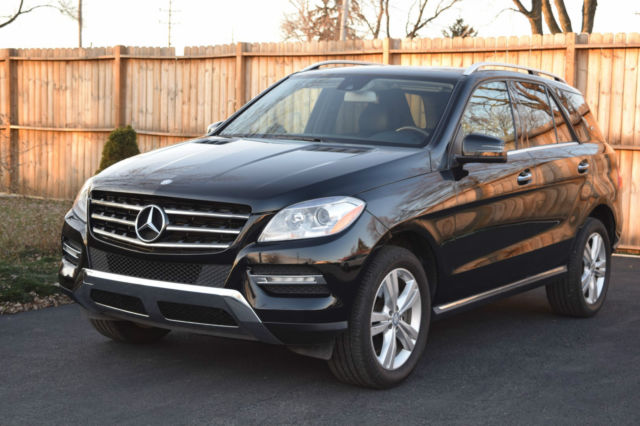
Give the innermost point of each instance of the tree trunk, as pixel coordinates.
(563, 16)
(547, 11)
(534, 15)
(588, 15)
(79, 23)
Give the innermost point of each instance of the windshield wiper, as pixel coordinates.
(295, 137)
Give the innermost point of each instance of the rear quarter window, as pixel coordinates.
(582, 120)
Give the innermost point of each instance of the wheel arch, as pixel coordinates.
(605, 214)
(422, 245)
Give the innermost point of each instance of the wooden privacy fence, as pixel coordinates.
(57, 106)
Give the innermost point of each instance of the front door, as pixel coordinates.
(495, 210)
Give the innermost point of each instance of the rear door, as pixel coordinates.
(560, 166)
(495, 204)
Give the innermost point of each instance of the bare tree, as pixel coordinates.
(542, 9)
(534, 15)
(63, 6)
(21, 11)
(420, 20)
(320, 20)
(374, 23)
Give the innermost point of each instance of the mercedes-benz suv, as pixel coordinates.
(343, 209)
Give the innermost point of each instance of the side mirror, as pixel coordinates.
(477, 148)
(213, 126)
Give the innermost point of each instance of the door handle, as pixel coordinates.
(583, 167)
(525, 177)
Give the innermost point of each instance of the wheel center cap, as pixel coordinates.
(395, 318)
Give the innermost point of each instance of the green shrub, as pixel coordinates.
(122, 144)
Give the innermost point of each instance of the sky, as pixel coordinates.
(210, 22)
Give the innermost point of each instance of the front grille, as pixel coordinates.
(195, 313)
(191, 225)
(188, 273)
(118, 301)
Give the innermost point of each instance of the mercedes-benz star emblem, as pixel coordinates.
(150, 223)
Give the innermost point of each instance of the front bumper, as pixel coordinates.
(151, 292)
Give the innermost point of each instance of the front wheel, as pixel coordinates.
(389, 323)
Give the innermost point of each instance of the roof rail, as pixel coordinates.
(336, 62)
(475, 67)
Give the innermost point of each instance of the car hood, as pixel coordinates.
(264, 174)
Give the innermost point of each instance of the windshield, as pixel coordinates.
(346, 108)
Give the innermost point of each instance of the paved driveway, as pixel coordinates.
(508, 362)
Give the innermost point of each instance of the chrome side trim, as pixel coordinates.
(494, 292)
(112, 219)
(206, 214)
(121, 310)
(117, 205)
(202, 230)
(541, 147)
(158, 245)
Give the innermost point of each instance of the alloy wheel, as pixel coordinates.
(594, 261)
(395, 318)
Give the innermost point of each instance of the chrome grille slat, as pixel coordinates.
(203, 230)
(117, 205)
(135, 241)
(191, 224)
(205, 214)
(113, 219)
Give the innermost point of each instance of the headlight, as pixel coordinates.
(314, 218)
(80, 203)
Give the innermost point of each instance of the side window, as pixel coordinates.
(582, 120)
(564, 134)
(489, 113)
(535, 114)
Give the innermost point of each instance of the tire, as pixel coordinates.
(128, 332)
(582, 291)
(358, 355)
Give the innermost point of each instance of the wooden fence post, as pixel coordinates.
(118, 87)
(570, 58)
(386, 58)
(9, 140)
(240, 75)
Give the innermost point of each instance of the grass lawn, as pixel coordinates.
(29, 251)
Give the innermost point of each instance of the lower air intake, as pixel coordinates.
(118, 301)
(195, 314)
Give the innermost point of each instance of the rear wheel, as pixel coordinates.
(128, 332)
(581, 293)
(389, 323)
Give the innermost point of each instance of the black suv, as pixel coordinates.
(344, 208)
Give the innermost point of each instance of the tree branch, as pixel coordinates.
(420, 23)
(547, 12)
